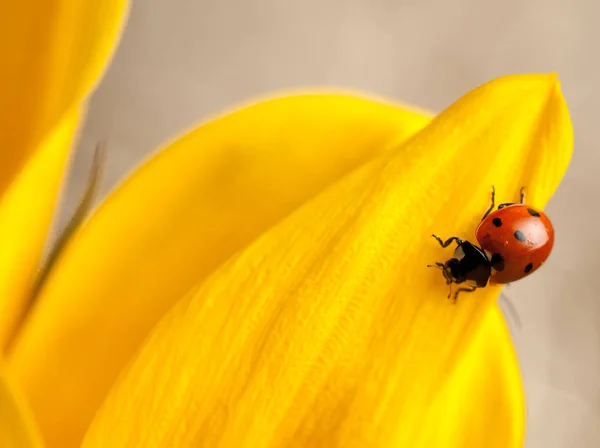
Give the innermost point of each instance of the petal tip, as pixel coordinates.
(529, 81)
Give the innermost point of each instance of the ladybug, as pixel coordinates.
(514, 241)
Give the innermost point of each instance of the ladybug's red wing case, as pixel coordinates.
(517, 239)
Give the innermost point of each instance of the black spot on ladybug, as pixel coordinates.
(520, 236)
(497, 262)
(528, 268)
(532, 212)
(497, 222)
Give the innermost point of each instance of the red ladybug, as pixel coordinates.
(515, 241)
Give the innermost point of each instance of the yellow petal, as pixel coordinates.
(26, 210)
(171, 224)
(329, 330)
(53, 52)
(17, 429)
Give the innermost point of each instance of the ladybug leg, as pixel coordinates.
(521, 199)
(491, 207)
(459, 290)
(448, 241)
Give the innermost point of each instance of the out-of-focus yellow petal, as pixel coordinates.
(171, 224)
(17, 429)
(329, 330)
(481, 404)
(26, 210)
(53, 52)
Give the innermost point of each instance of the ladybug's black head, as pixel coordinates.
(453, 272)
(469, 264)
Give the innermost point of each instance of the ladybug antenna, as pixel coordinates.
(436, 265)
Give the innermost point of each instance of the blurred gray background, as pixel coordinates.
(181, 60)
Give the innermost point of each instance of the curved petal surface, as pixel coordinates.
(179, 217)
(26, 211)
(53, 52)
(16, 422)
(329, 330)
(482, 403)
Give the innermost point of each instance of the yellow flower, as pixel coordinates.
(262, 281)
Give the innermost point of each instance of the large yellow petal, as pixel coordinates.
(53, 52)
(171, 224)
(17, 429)
(329, 330)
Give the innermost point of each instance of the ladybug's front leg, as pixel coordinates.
(448, 241)
(459, 290)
